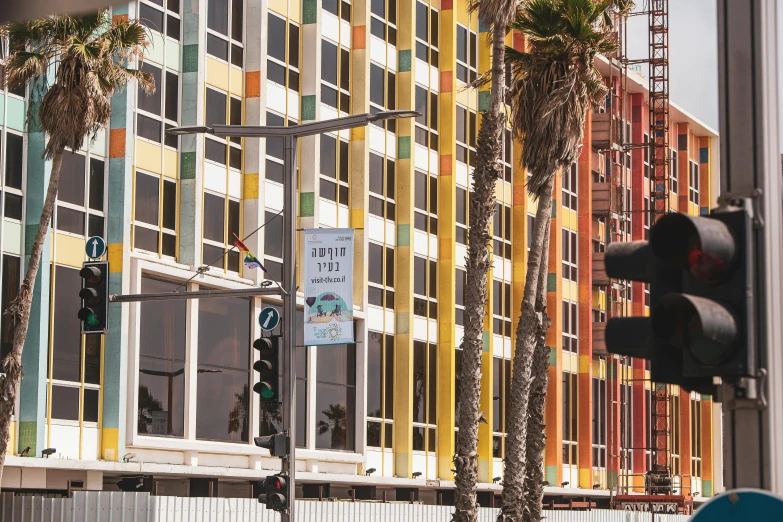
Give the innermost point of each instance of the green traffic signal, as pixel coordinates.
(268, 367)
(94, 310)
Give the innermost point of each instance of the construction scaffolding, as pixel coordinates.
(659, 479)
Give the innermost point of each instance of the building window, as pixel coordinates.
(570, 330)
(225, 30)
(335, 408)
(335, 76)
(273, 244)
(501, 308)
(162, 19)
(673, 172)
(675, 438)
(467, 54)
(462, 205)
(427, 29)
(501, 231)
(275, 150)
(380, 390)
(338, 9)
(14, 169)
(501, 390)
(626, 423)
(570, 187)
(223, 109)
(81, 196)
(646, 156)
(383, 94)
(155, 214)
(282, 53)
(696, 437)
(271, 414)
(159, 111)
(570, 408)
(12, 280)
(461, 280)
(427, 123)
(223, 382)
(162, 335)
(382, 187)
(381, 276)
(383, 20)
(569, 255)
(425, 217)
(693, 193)
(425, 397)
(425, 285)
(221, 222)
(647, 211)
(75, 367)
(334, 169)
(508, 156)
(599, 423)
(531, 221)
(466, 136)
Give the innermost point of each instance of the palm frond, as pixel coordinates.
(75, 64)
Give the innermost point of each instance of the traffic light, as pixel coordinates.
(275, 494)
(268, 367)
(699, 274)
(94, 312)
(278, 444)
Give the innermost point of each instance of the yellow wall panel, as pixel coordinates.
(148, 156)
(170, 158)
(69, 250)
(279, 6)
(217, 73)
(237, 81)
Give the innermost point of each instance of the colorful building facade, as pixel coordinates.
(166, 393)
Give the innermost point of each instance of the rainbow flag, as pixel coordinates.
(251, 261)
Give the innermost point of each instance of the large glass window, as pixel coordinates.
(159, 110)
(570, 187)
(425, 217)
(501, 390)
(12, 185)
(225, 30)
(223, 109)
(383, 94)
(570, 408)
(501, 308)
(161, 16)
(382, 187)
(570, 329)
(221, 223)
(283, 53)
(380, 389)
(80, 199)
(335, 404)
(334, 169)
(427, 124)
(673, 172)
(425, 396)
(162, 337)
(12, 280)
(75, 364)
(155, 214)
(599, 423)
(467, 130)
(381, 276)
(383, 20)
(696, 437)
(693, 192)
(467, 54)
(569, 255)
(501, 231)
(223, 370)
(425, 287)
(275, 150)
(427, 30)
(335, 76)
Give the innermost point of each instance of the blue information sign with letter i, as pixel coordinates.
(269, 318)
(95, 247)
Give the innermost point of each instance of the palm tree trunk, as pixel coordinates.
(19, 312)
(477, 264)
(536, 438)
(527, 328)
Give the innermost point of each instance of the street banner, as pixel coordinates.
(328, 286)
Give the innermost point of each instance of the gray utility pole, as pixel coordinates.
(291, 135)
(751, 172)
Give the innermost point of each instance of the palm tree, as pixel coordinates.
(554, 84)
(73, 65)
(496, 14)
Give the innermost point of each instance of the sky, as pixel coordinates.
(693, 56)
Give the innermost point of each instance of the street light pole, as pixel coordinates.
(289, 319)
(290, 136)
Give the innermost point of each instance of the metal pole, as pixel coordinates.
(289, 319)
(199, 294)
(750, 171)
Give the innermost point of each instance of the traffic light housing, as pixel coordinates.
(278, 444)
(94, 295)
(699, 273)
(276, 492)
(268, 367)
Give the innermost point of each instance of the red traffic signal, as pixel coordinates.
(276, 493)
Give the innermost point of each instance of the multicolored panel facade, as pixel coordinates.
(167, 392)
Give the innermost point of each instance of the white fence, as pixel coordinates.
(105, 506)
